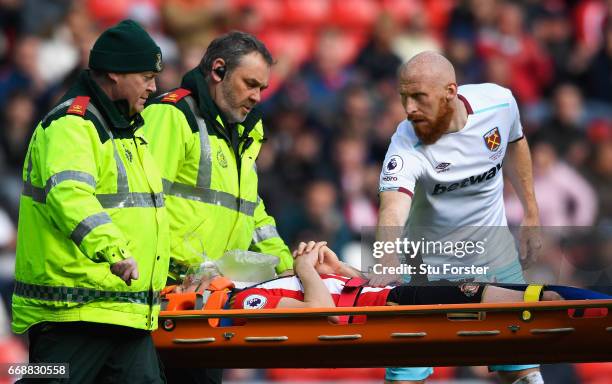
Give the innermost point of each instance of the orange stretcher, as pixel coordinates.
(424, 335)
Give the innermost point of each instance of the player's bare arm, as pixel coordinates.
(316, 294)
(519, 170)
(394, 210)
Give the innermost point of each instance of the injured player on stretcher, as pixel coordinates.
(323, 281)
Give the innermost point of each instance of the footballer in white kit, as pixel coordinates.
(456, 183)
(442, 183)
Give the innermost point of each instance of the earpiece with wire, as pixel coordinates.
(220, 71)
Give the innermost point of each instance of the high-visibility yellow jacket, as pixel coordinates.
(92, 196)
(210, 185)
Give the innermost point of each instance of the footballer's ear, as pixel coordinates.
(451, 91)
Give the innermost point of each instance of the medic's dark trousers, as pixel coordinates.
(95, 353)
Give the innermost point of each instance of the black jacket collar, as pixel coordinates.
(115, 113)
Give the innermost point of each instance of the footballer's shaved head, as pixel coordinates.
(428, 88)
(431, 67)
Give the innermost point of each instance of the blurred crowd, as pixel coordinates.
(332, 104)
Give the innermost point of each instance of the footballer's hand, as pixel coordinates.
(328, 261)
(306, 247)
(382, 280)
(530, 237)
(126, 269)
(308, 253)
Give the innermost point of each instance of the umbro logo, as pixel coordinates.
(442, 167)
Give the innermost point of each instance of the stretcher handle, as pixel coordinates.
(494, 332)
(339, 337)
(408, 334)
(203, 340)
(540, 331)
(265, 338)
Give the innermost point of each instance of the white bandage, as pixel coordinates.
(531, 378)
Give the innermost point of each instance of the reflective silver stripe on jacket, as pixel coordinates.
(205, 165)
(40, 195)
(122, 199)
(210, 196)
(87, 225)
(83, 295)
(69, 175)
(37, 194)
(122, 179)
(58, 107)
(167, 186)
(202, 191)
(131, 199)
(107, 200)
(28, 175)
(264, 233)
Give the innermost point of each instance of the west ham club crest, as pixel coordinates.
(492, 139)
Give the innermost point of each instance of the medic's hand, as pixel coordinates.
(126, 269)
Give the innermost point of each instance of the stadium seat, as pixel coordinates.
(271, 11)
(12, 351)
(594, 373)
(108, 12)
(327, 374)
(353, 41)
(310, 13)
(438, 13)
(357, 14)
(295, 44)
(400, 10)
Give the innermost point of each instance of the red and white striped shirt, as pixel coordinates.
(269, 293)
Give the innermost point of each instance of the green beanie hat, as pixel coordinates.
(125, 48)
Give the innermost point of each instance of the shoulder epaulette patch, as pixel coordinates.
(78, 106)
(176, 95)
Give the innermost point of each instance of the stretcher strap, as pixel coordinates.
(572, 293)
(348, 296)
(532, 294)
(216, 301)
(220, 283)
(219, 288)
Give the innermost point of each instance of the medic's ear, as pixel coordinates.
(220, 71)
